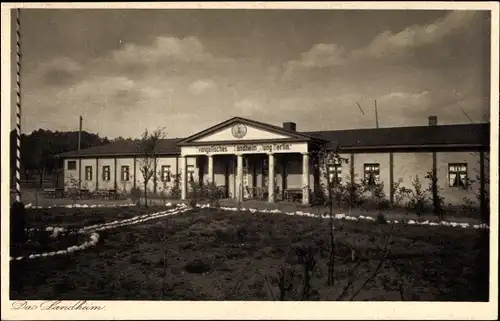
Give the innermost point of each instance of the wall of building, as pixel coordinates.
(166, 187)
(406, 165)
(90, 184)
(125, 186)
(192, 164)
(70, 176)
(106, 184)
(360, 159)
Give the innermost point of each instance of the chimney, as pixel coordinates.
(291, 126)
(433, 121)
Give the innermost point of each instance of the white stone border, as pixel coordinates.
(94, 238)
(350, 218)
(30, 206)
(92, 230)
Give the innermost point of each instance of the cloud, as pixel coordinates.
(405, 96)
(387, 44)
(390, 44)
(60, 71)
(127, 84)
(201, 86)
(248, 107)
(321, 55)
(169, 56)
(163, 48)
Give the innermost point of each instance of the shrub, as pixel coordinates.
(318, 197)
(383, 204)
(418, 198)
(353, 192)
(195, 192)
(175, 190)
(135, 194)
(376, 195)
(200, 192)
(468, 206)
(213, 194)
(400, 192)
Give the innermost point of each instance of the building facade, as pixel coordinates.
(248, 159)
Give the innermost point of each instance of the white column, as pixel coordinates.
(271, 196)
(210, 169)
(239, 177)
(305, 178)
(183, 166)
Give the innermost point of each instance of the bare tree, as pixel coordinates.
(148, 146)
(328, 162)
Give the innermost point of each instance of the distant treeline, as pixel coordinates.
(39, 148)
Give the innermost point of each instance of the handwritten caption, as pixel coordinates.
(57, 306)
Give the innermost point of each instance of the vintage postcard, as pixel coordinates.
(250, 160)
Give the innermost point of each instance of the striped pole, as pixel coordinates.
(18, 111)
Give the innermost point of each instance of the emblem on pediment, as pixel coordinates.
(239, 130)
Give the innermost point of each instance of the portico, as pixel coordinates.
(249, 158)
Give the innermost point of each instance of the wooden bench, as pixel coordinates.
(294, 194)
(107, 194)
(52, 193)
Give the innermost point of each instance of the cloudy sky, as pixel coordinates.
(185, 70)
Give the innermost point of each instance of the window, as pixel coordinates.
(88, 173)
(372, 174)
(106, 173)
(71, 165)
(190, 173)
(125, 173)
(335, 173)
(457, 174)
(165, 173)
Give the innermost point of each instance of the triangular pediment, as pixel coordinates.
(241, 129)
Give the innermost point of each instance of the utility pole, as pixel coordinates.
(376, 114)
(79, 158)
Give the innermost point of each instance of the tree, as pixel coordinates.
(333, 190)
(38, 149)
(39, 145)
(147, 148)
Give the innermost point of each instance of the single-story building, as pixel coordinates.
(246, 157)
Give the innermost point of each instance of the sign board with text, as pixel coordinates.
(264, 148)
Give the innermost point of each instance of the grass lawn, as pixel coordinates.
(218, 255)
